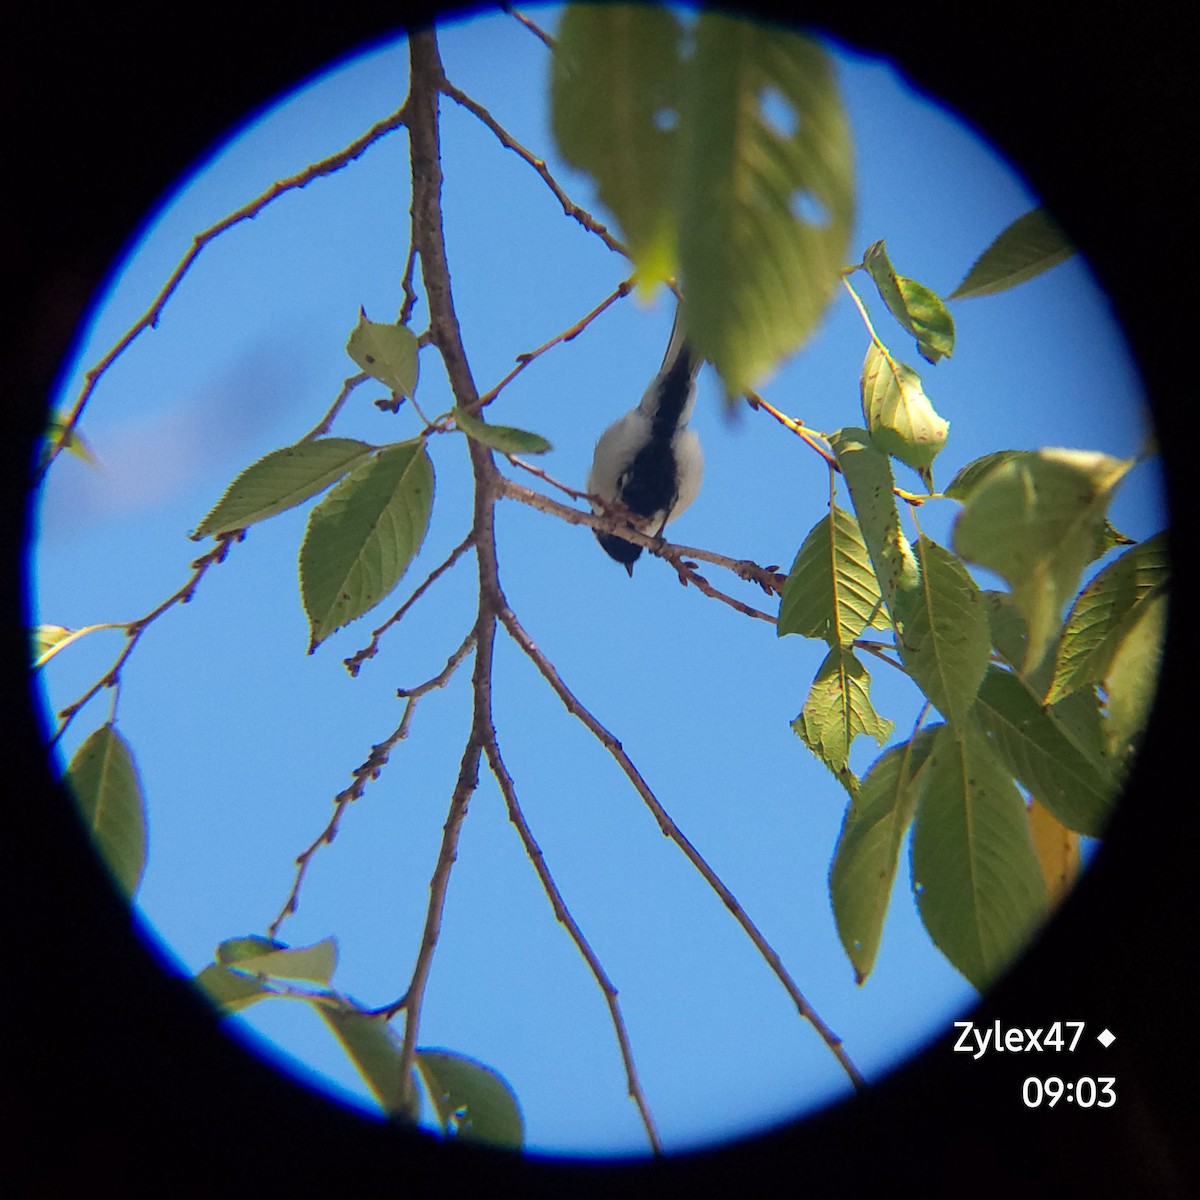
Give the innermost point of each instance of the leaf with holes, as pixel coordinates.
(766, 187)
(614, 97)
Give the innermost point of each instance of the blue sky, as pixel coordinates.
(242, 739)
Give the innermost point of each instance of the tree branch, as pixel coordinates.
(671, 830)
(150, 318)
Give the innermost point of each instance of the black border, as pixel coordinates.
(115, 1076)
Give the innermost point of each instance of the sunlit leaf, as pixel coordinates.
(766, 193)
(1045, 755)
(945, 641)
(838, 709)
(899, 415)
(103, 778)
(504, 438)
(473, 1102)
(283, 479)
(1057, 851)
(229, 991)
(1104, 612)
(974, 869)
(1131, 681)
(44, 640)
(363, 535)
(868, 475)
(868, 850)
(373, 1048)
(1033, 243)
(387, 352)
(315, 963)
(1034, 520)
(831, 592)
(918, 309)
(614, 100)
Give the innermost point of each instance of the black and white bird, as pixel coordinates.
(649, 460)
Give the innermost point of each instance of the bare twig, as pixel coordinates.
(766, 578)
(325, 424)
(672, 831)
(150, 318)
(506, 139)
(534, 853)
(135, 629)
(530, 25)
(368, 770)
(523, 360)
(355, 661)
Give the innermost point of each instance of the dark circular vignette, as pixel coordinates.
(115, 1073)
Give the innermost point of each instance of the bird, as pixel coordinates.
(648, 460)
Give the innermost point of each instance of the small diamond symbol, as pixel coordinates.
(1105, 1038)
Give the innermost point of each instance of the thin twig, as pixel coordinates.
(325, 424)
(672, 831)
(534, 853)
(506, 139)
(355, 661)
(368, 770)
(150, 318)
(135, 629)
(530, 25)
(765, 577)
(523, 360)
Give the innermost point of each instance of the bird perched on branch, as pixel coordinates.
(649, 461)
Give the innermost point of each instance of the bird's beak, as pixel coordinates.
(629, 568)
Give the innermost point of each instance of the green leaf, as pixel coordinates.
(233, 950)
(1063, 772)
(918, 309)
(899, 415)
(315, 963)
(229, 991)
(1103, 614)
(832, 592)
(614, 97)
(373, 1049)
(281, 480)
(868, 850)
(59, 432)
(504, 438)
(1131, 680)
(363, 535)
(766, 187)
(969, 478)
(44, 639)
(103, 777)
(386, 352)
(945, 642)
(979, 888)
(472, 1101)
(1032, 244)
(1034, 520)
(838, 709)
(868, 475)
